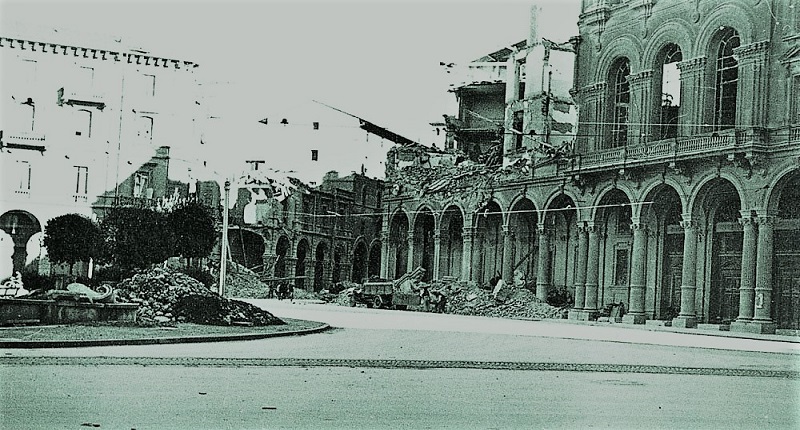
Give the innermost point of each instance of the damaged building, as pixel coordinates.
(673, 190)
(311, 237)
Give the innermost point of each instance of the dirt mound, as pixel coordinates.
(165, 296)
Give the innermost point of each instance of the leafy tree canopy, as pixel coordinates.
(72, 238)
(193, 228)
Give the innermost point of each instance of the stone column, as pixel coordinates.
(692, 108)
(410, 260)
(468, 234)
(543, 276)
(592, 271)
(762, 315)
(385, 258)
(437, 252)
(748, 279)
(687, 318)
(641, 85)
(580, 275)
(751, 103)
(636, 313)
(508, 255)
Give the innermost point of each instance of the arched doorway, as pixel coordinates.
(359, 262)
(522, 224)
(281, 251)
(20, 226)
(786, 261)
(300, 266)
(452, 243)
(319, 266)
(663, 216)
(721, 212)
(374, 259)
(398, 246)
(424, 225)
(489, 239)
(561, 225)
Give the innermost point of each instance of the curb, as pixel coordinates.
(30, 344)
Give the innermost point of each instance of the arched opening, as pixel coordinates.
(489, 242)
(300, 265)
(727, 79)
(614, 216)
(522, 222)
(319, 266)
(561, 227)
(721, 206)
(620, 99)
(398, 246)
(786, 261)
(281, 251)
(374, 269)
(19, 226)
(424, 226)
(452, 243)
(359, 262)
(246, 248)
(668, 81)
(662, 213)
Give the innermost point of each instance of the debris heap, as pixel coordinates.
(166, 297)
(521, 304)
(243, 282)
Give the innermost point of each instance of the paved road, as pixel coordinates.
(389, 369)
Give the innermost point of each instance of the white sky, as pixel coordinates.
(377, 59)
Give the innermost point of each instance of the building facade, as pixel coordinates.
(309, 236)
(679, 194)
(87, 124)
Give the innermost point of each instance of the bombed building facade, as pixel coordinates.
(657, 167)
(311, 237)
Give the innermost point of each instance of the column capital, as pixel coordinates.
(638, 226)
(747, 221)
(689, 224)
(764, 219)
(592, 228)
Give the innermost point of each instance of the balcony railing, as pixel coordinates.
(81, 96)
(23, 140)
(658, 151)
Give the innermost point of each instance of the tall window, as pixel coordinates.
(83, 123)
(670, 92)
(149, 85)
(517, 126)
(727, 81)
(81, 183)
(85, 77)
(23, 177)
(622, 98)
(314, 155)
(144, 129)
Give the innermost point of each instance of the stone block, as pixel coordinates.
(757, 327)
(685, 322)
(634, 319)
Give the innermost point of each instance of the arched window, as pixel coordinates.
(83, 123)
(727, 80)
(622, 98)
(670, 92)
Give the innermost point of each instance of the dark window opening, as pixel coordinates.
(727, 81)
(670, 92)
(517, 126)
(622, 98)
(621, 268)
(314, 155)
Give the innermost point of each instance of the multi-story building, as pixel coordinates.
(310, 236)
(88, 123)
(679, 195)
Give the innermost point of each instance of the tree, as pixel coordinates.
(135, 238)
(71, 238)
(193, 229)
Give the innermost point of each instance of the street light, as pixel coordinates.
(224, 245)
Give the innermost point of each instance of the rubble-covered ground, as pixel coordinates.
(468, 299)
(165, 296)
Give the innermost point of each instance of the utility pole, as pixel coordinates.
(223, 260)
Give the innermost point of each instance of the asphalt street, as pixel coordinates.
(394, 369)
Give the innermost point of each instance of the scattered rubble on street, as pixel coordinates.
(166, 297)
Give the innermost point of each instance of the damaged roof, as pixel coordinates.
(502, 54)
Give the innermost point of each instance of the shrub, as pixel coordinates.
(36, 281)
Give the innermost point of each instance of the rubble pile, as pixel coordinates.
(166, 297)
(243, 282)
(520, 304)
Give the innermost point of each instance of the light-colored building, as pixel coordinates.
(679, 195)
(87, 123)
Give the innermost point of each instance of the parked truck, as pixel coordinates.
(401, 293)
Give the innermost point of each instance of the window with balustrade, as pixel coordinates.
(83, 123)
(727, 80)
(81, 183)
(23, 176)
(621, 97)
(670, 92)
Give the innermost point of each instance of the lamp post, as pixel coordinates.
(224, 245)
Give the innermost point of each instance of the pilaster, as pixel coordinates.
(580, 275)
(508, 254)
(543, 276)
(752, 88)
(747, 287)
(437, 252)
(687, 317)
(636, 313)
(641, 85)
(692, 108)
(592, 268)
(468, 235)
